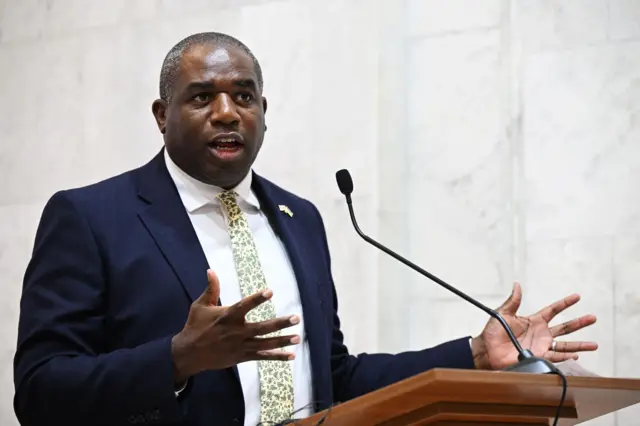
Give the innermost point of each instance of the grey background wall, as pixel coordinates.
(489, 140)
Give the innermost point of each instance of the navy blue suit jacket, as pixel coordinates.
(114, 269)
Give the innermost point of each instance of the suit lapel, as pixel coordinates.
(292, 234)
(168, 223)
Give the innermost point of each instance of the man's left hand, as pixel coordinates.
(493, 350)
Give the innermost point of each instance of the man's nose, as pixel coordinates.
(224, 110)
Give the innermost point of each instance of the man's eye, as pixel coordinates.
(245, 97)
(202, 97)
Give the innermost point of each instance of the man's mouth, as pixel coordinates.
(226, 147)
(225, 144)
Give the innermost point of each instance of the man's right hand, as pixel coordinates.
(218, 337)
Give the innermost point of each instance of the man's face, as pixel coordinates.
(214, 124)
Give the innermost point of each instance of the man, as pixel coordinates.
(192, 291)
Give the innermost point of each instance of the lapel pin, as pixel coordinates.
(286, 210)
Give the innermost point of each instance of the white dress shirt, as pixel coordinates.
(208, 220)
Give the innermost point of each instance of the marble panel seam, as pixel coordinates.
(451, 33)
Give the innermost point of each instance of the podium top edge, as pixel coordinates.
(484, 376)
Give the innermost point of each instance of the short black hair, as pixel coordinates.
(171, 63)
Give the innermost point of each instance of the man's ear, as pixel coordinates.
(264, 109)
(159, 109)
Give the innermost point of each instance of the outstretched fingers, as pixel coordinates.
(550, 312)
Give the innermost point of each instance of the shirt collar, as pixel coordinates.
(196, 194)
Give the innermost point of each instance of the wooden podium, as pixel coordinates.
(482, 398)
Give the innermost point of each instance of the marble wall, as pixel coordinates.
(489, 140)
(522, 142)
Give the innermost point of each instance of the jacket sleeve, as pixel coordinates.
(62, 373)
(356, 375)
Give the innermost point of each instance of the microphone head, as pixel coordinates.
(343, 177)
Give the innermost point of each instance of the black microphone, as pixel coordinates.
(528, 363)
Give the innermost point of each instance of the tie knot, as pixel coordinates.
(228, 198)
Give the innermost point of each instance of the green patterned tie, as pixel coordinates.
(276, 383)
